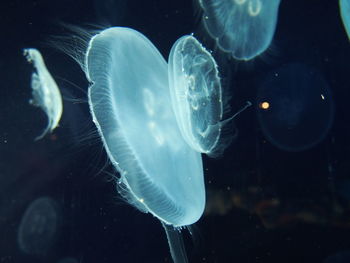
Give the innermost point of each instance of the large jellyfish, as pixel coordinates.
(295, 107)
(244, 28)
(130, 102)
(38, 227)
(344, 6)
(46, 94)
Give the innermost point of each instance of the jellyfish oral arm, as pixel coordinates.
(176, 244)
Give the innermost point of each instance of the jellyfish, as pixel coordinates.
(244, 28)
(196, 92)
(344, 6)
(295, 107)
(45, 92)
(131, 106)
(38, 227)
(195, 89)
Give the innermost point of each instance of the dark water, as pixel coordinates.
(264, 204)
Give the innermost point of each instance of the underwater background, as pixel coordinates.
(271, 197)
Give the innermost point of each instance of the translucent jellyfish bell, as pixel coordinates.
(130, 103)
(46, 94)
(38, 227)
(196, 93)
(344, 6)
(295, 107)
(244, 28)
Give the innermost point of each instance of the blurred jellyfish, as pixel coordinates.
(244, 28)
(46, 94)
(38, 228)
(130, 103)
(344, 6)
(295, 107)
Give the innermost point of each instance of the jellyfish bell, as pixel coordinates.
(244, 28)
(197, 96)
(344, 6)
(39, 227)
(294, 107)
(196, 92)
(130, 95)
(46, 94)
(131, 106)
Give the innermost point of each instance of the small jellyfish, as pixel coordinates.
(244, 28)
(344, 6)
(45, 92)
(38, 227)
(196, 95)
(295, 107)
(196, 92)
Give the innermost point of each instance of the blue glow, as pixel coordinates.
(130, 103)
(244, 28)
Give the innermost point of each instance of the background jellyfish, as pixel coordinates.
(38, 227)
(294, 107)
(130, 103)
(46, 94)
(344, 6)
(196, 92)
(244, 28)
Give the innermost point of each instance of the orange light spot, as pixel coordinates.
(264, 105)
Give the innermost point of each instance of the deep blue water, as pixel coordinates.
(264, 204)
